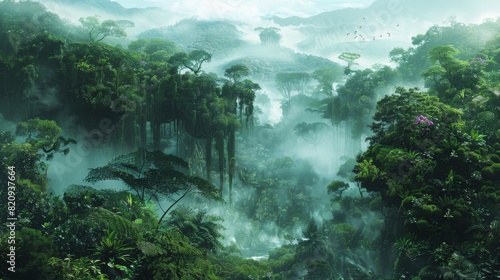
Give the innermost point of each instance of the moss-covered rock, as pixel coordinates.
(407, 202)
(495, 158)
(423, 225)
(491, 172)
(430, 210)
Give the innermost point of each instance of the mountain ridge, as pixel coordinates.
(108, 6)
(391, 8)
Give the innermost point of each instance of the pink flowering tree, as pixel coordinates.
(423, 120)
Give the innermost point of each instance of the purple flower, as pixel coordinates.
(423, 120)
(478, 61)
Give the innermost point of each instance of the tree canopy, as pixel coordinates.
(108, 28)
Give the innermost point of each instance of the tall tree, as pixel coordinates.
(349, 58)
(289, 82)
(240, 96)
(192, 60)
(425, 168)
(451, 78)
(269, 36)
(109, 28)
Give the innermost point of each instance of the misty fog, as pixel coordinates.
(250, 140)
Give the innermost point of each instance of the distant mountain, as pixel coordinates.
(384, 11)
(143, 18)
(384, 20)
(219, 38)
(107, 6)
(324, 19)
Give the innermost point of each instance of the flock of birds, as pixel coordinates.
(361, 37)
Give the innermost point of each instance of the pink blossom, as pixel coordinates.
(424, 120)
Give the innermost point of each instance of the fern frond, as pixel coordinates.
(106, 219)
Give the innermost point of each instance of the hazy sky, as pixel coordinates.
(244, 10)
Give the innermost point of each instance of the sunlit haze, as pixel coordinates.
(245, 10)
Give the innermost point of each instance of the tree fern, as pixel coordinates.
(154, 175)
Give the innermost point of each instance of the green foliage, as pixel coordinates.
(282, 163)
(114, 256)
(347, 235)
(192, 60)
(44, 135)
(70, 268)
(143, 214)
(216, 37)
(346, 169)
(79, 198)
(151, 46)
(405, 243)
(468, 40)
(238, 268)
(289, 82)
(423, 170)
(282, 260)
(491, 172)
(43, 132)
(236, 72)
(179, 260)
(27, 160)
(442, 54)
(82, 222)
(203, 231)
(404, 106)
(326, 76)
(33, 253)
(313, 246)
(150, 174)
(33, 204)
(367, 170)
(452, 77)
(337, 187)
(355, 103)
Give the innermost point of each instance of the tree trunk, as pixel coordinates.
(219, 146)
(208, 157)
(231, 159)
(347, 138)
(170, 207)
(142, 125)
